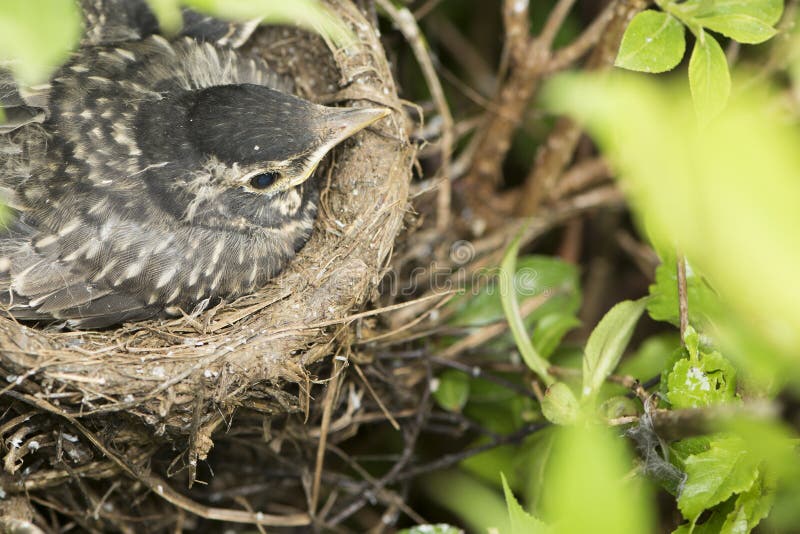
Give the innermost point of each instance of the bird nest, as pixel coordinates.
(109, 392)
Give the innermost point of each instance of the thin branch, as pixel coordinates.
(683, 296)
(407, 24)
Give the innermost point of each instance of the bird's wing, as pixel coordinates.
(114, 21)
(36, 286)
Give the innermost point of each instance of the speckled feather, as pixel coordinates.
(113, 215)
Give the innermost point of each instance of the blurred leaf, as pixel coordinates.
(559, 404)
(508, 297)
(168, 13)
(550, 330)
(452, 391)
(586, 488)
(651, 357)
(742, 28)
(710, 379)
(726, 196)
(309, 14)
(521, 521)
(607, 343)
(36, 36)
(713, 476)
(478, 505)
(653, 42)
(767, 11)
(538, 455)
(709, 78)
(440, 528)
(487, 464)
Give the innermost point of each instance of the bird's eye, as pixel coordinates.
(264, 180)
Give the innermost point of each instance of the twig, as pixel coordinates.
(331, 393)
(456, 458)
(557, 151)
(378, 400)
(482, 335)
(683, 297)
(581, 176)
(160, 487)
(565, 57)
(407, 24)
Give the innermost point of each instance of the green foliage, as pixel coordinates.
(479, 506)
(309, 14)
(36, 36)
(607, 342)
(655, 42)
(713, 476)
(521, 521)
(452, 390)
(714, 193)
(508, 297)
(550, 330)
(534, 277)
(702, 379)
(663, 302)
(709, 79)
(586, 488)
(559, 404)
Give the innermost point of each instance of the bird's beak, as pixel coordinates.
(344, 123)
(338, 125)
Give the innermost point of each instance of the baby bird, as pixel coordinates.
(151, 175)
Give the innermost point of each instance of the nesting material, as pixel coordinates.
(179, 378)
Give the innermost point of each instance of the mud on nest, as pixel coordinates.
(184, 378)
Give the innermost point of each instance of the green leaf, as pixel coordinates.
(607, 343)
(709, 78)
(587, 488)
(440, 528)
(452, 390)
(550, 330)
(651, 357)
(521, 521)
(36, 36)
(766, 11)
(663, 302)
(653, 42)
(713, 476)
(712, 525)
(710, 379)
(751, 507)
(742, 28)
(559, 404)
(508, 297)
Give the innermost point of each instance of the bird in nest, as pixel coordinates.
(150, 175)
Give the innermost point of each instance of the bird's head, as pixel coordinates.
(271, 140)
(240, 154)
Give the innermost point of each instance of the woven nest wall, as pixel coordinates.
(181, 379)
